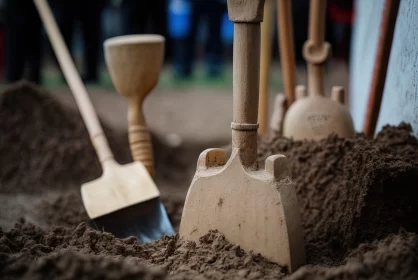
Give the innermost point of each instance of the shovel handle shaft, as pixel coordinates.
(265, 60)
(74, 81)
(287, 49)
(246, 15)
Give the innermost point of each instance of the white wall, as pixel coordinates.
(400, 99)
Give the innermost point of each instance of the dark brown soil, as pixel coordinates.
(352, 190)
(48, 143)
(43, 143)
(26, 251)
(358, 201)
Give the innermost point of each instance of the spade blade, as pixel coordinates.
(147, 221)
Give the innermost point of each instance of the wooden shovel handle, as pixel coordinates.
(265, 59)
(246, 15)
(75, 83)
(384, 46)
(316, 51)
(140, 137)
(287, 49)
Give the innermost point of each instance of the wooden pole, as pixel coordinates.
(287, 50)
(265, 59)
(384, 46)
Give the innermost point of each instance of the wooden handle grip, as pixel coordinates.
(141, 146)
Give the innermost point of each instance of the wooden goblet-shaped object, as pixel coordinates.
(134, 63)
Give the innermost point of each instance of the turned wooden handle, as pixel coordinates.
(141, 146)
(287, 49)
(316, 51)
(139, 135)
(246, 15)
(75, 83)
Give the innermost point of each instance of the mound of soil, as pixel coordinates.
(28, 250)
(394, 257)
(48, 143)
(358, 201)
(352, 190)
(44, 143)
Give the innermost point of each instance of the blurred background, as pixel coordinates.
(198, 36)
(198, 55)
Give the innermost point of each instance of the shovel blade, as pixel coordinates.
(147, 221)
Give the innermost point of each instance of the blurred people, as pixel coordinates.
(2, 18)
(144, 17)
(341, 15)
(88, 13)
(23, 29)
(212, 11)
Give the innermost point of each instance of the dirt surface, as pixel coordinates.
(358, 198)
(352, 190)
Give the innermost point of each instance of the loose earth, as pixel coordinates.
(358, 198)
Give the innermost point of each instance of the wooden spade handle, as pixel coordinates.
(246, 15)
(140, 137)
(75, 83)
(265, 59)
(315, 50)
(287, 49)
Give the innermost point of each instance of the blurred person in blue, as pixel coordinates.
(23, 41)
(185, 19)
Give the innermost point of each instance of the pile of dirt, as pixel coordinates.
(45, 144)
(352, 190)
(358, 198)
(28, 251)
(395, 257)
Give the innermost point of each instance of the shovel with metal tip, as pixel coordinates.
(254, 208)
(125, 200)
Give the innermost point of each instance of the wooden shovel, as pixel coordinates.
(254, 208)
(315, 117)
(125, 200)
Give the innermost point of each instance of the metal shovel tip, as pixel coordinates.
(147, 221)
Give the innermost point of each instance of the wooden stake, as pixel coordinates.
(384, 46)
(287, 51)
(265, 59)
